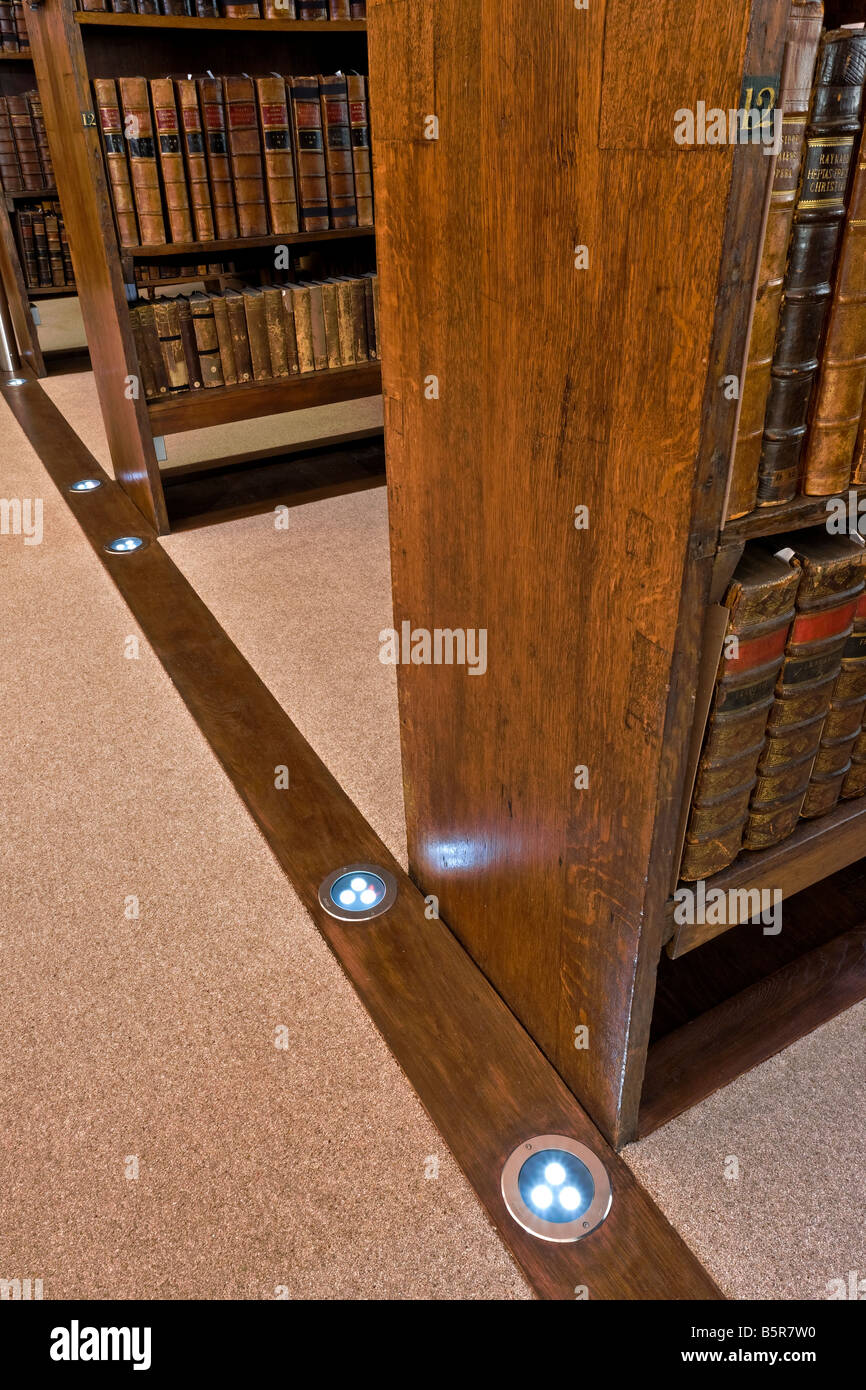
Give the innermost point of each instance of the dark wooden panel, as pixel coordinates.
(557, 387)
(194, 410)
(696, 1060)
(816, 849)
(481, 1078)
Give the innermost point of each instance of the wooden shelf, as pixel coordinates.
(103, 20)
(817, 849)
(25, 195)
(790, 516)
(212, 248)
(51, 291)
(16, 57)
(195, 410)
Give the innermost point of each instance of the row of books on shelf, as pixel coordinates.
(25, 160)
(213, 158)
(158, 271)
(785, 736)
(220, 9)
(44, 246)
(13, 27)
(802, 427)
(261, 333)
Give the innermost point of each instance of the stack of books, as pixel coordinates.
(785, 736)
(216, 158)
(44, 246)
(147, 274)
(262, 333)
(13, 27)
(25, 161)
(218, 9)
(802, 427)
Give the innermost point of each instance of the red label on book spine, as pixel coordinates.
(274, 115)
(757, 651)
(110, 117)
(242, 113)
(166, 119)
(213, 115)
(307, 114)
(818, 627)
(190, 117)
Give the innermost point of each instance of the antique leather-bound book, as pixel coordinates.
(218, 163)
(257, 333)
(340, 9)
(25, 141)
(309, 153)
(40, 241)
(224, 339)
(359, 125)
(8, 30)
(760, 600)
(152, 348)
(359, 9)
(240, 338)
(196, 159)
(855, 780)
(148, 379)
(141, 149)
(286, 10)
(207, 9)
(10, 169)
(206, 340)
(167, 320)
(276, 330)
(168, 139)
(795, 90)
(332, 322)
(303, 326)
(52, 236)
(21, 27)
(34, 101)
(345, 320)
(318, 335)
(339, 164)
(370, 307)
(25, 230)
(114, 147)
(289, 330)
(188, 339)
(313, 9)
(834, 125)
(246, 11)
(827, 598)
(838, 402)
(843, 724)
(245, 152)
(279, 164)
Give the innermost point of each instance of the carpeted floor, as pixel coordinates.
(154, 1037)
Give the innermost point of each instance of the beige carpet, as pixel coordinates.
(153, 1038)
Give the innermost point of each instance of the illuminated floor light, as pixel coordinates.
(16, 381)
(556, 1188)
(124, 544)
(86, 485)
(358, 892)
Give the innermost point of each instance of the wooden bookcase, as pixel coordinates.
(592, 380)
(71, 48)
(17, 75)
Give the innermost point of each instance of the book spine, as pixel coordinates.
(114, 149)
(40, 239)
(190, 346)
(167, 320)
(35, 103)
(842, 375)
(28, 249)
(55, 253)
(332, 323)
(25, 142)
(843, 724)
(303, 328)
(240, 339)
(148, 379)
(831, 135)
(207, 9)
(313, 9)
(224, 339)
(289, 330)
(143, 170)
(359, 9)
(171, 158)
(152, 348)
(277, 145)
(339, 9)
(280, 9)
(219, 166)
(10, 169)
(246, 156)
(8, 28)
(359, 320)
(318, 336)
(339, 165)
(94, 5)
(357, 92)
(310, 154)
(248, 11)
(257, 334)
(345, 323)
(196, 159)
(276, 330)
(21, 27)
(370, 308)
(207, 340)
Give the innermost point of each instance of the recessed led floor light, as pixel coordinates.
(358, 892)
(556, 1188)
(16, 381)
(124, 544)
(86, 485)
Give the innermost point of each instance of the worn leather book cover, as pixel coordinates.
(168, 140)
(279, 163)
(309, 153)
(345, 319)
(245, 151)
(224, 340)
(855, 780)
(240, 338)
(195, 158)
(152, 347)
(246, 11)
(34, 101)
(318, 336)
(795, 89)
(206, 340)
(339, 164)
(286, 10)
(141, 149)
(359, 125)
(114, 148)
(370, 307)
(289, 330)
(148, 378)
(40, 241)
(760, 600)
(276, 330)
(340, 9)
(8, 29)
(187, 337)
(257, 333)
(303, 327)
(207, 9)
(10, 169)
(831, 137)
(831, 579)
(313, 9)
(216, 150)
(28, 247)
(55, 255)
(167, 319)
(25, 141)
(844, 721)
(332, 323)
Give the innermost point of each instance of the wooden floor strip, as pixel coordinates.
(480, 1077)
